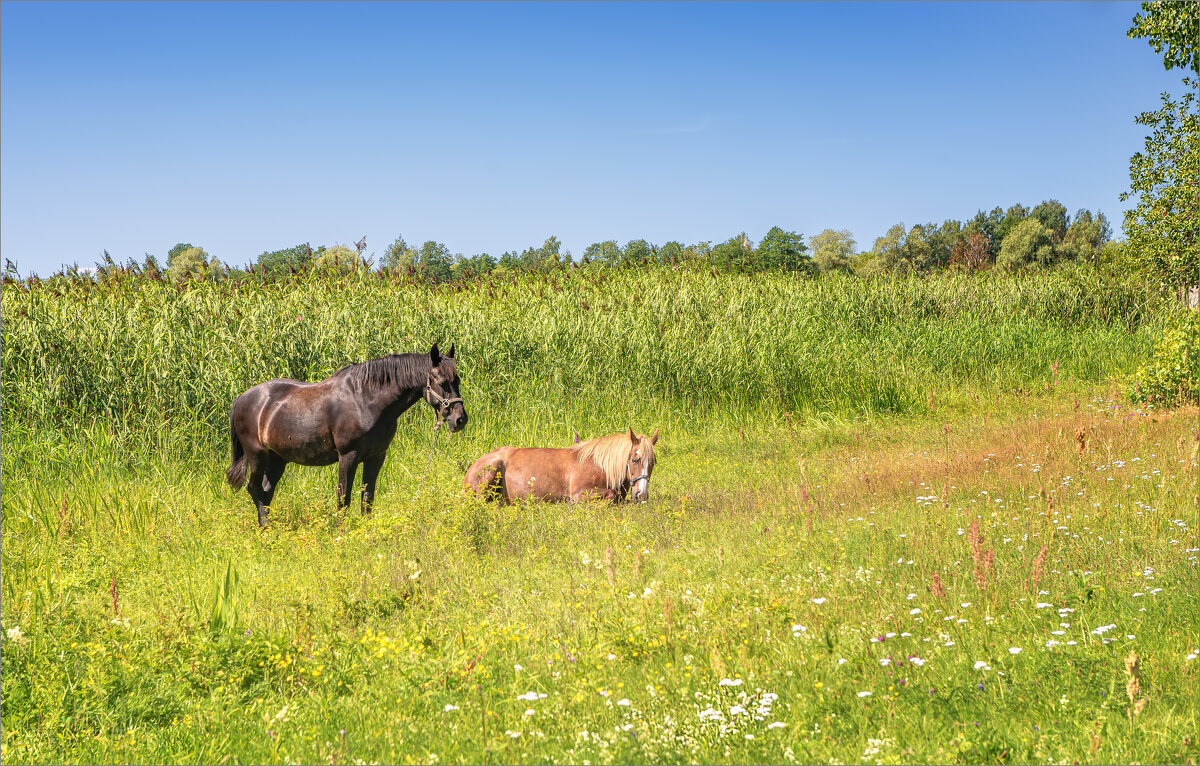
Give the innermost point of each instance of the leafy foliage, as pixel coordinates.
(833, 250)
(287, 260)
(1163, 228)
(1028, 244)
(1169, 379)
(1172, 30)
(191, 263)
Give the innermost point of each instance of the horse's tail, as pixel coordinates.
(236, 475)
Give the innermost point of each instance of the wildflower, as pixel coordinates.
(448, 708)
(529, 711)
(14, 634)
(914, 611)
(533, 696)
(819, 601)
(729, 682)
(864, 694)
(737, 710)
(1014, 650)
(777, 725)
(518, 668)
(917, 661)
(623, 702)
(1043, 605)
(981, 665)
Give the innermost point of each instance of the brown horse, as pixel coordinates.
(606, 468)
(348, 418)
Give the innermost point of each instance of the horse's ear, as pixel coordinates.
(633, 437)
(654, 439)
(435, 356)
(450, 353)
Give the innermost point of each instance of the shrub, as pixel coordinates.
(1169, 378)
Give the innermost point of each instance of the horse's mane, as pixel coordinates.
(611, 453)
(397, 370)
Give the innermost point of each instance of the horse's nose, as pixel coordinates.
(458, 422)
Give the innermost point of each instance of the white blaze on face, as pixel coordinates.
(641, 488)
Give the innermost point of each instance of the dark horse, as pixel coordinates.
(348, 418)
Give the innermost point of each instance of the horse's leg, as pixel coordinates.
(347, 466)
(270, 482)
(585, 495)
(371, 468)
(256, 472)
(583, 491)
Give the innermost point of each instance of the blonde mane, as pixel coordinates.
(611, 454)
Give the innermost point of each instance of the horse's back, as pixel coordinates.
(542, 472)
(287, 417)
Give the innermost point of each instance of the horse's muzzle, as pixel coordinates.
(457, 421)
(640, 491)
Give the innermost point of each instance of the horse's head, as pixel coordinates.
(441, 389)
(640, 464)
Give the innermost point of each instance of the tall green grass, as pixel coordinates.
(142, 353)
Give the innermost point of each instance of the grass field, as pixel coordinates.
(926, 529)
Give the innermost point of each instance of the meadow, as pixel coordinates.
(896, 520)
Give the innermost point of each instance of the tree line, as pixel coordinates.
(1013, 239)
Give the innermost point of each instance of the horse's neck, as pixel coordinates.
(394, 402)
(394, 399)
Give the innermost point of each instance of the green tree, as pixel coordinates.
(1013, 217)
(475, 266)
(671, 253)
(1085, 236)
(399, 256)
(987, 224)
(434, 262)
(833, 250)
(1162, 229)
(174, 251)
(1028, 244)
(337, 258)
(943, 241)
(187, 263)
(1171, 29)
(734, 253)
(890, 252)
(1053, 215)
(607, 252)
(282, 261)
(635, 252)
(784, 251)
(545, 258)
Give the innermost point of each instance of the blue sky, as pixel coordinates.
(245, 127)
